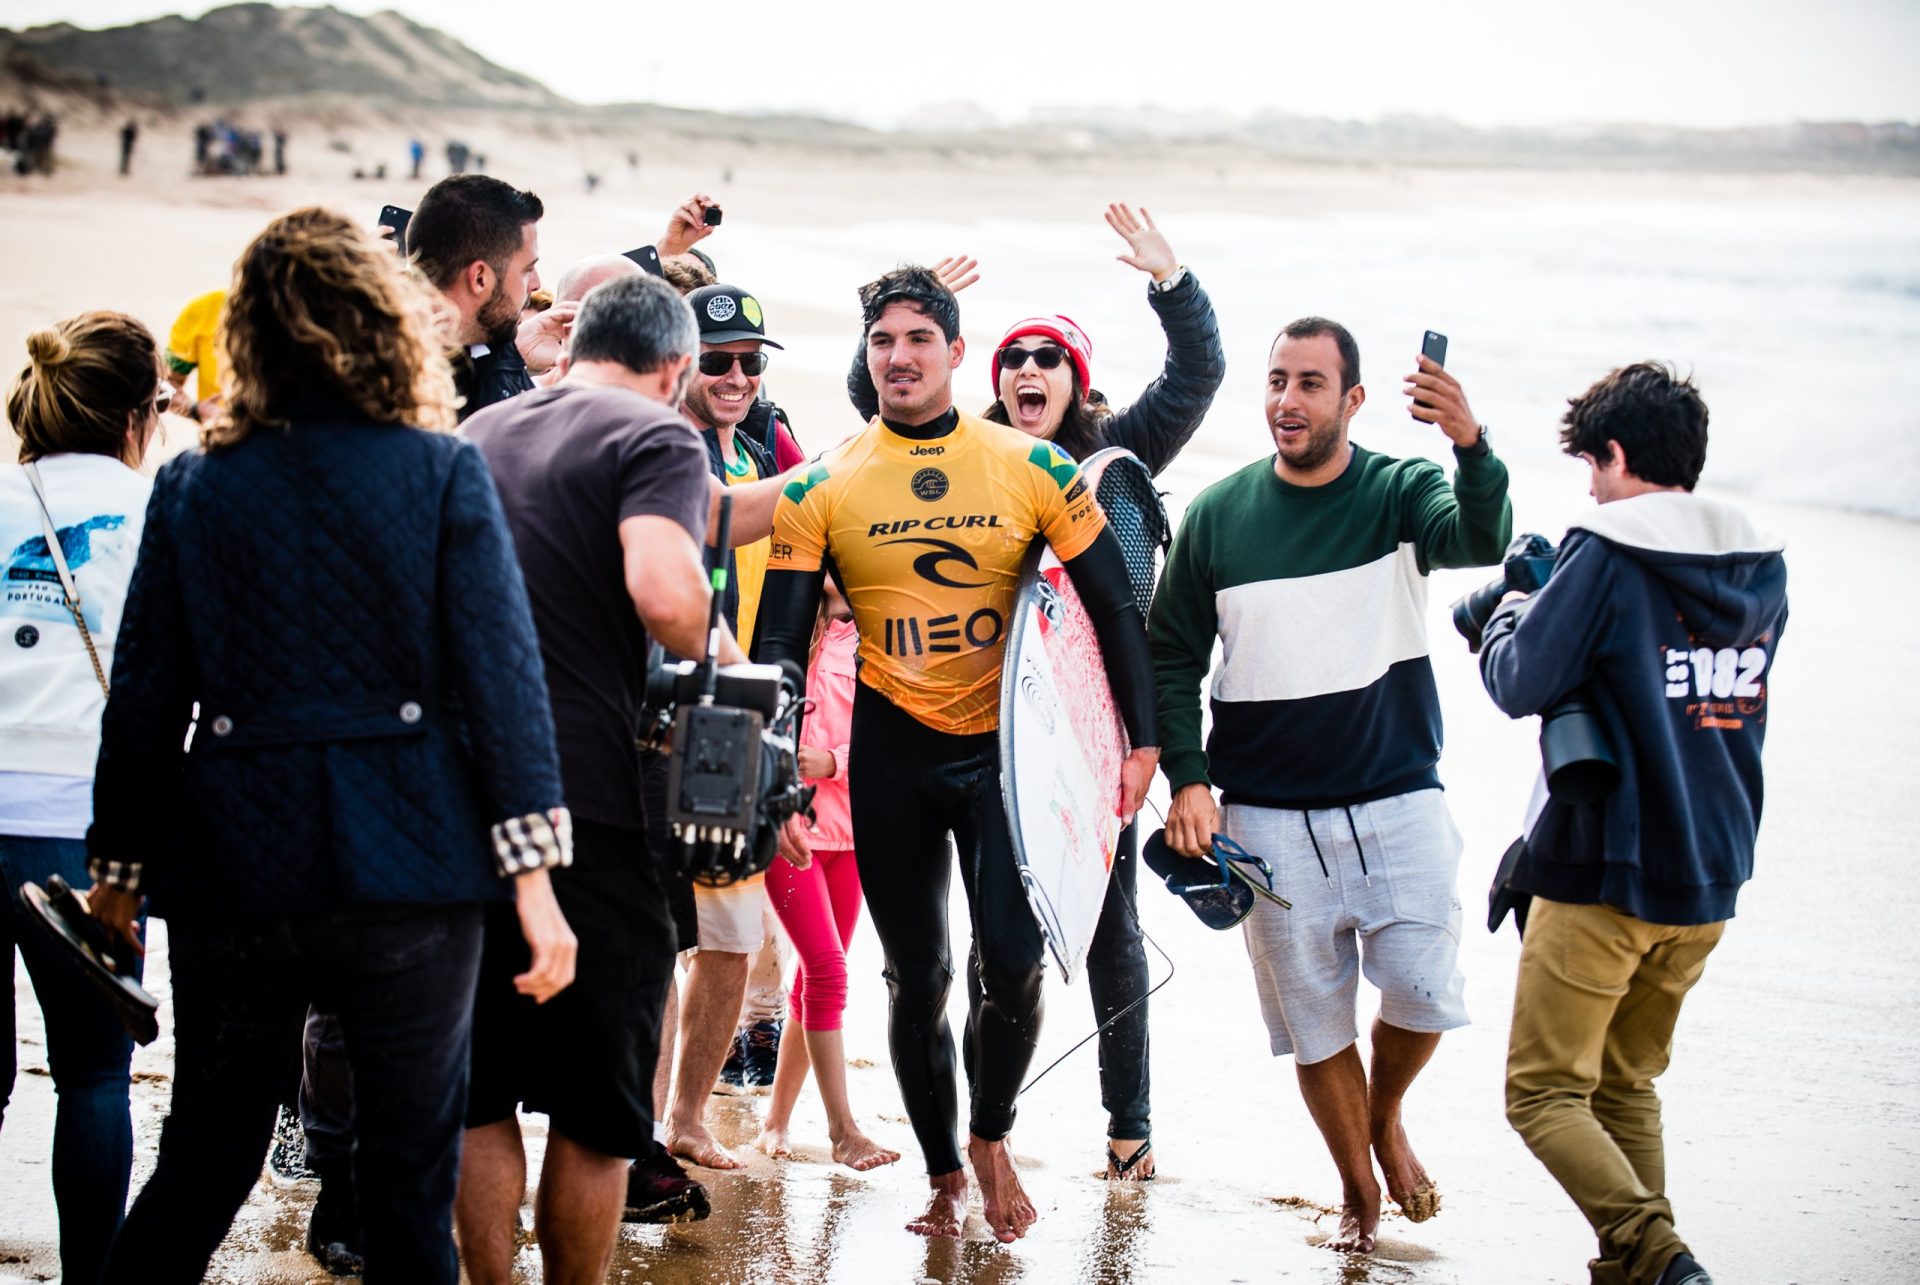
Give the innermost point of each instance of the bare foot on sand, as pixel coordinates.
(1407, 1182)
(856, 1150)
(700, 1146)
(947, 1209)
(1007, 1209)
(1140, 1170)
(772, 1141)
(1359, 1219)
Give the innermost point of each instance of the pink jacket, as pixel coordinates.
(828, 726)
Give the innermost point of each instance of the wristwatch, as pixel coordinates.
(1478, 449)
(1178, 275)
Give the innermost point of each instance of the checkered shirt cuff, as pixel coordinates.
(536, 841)
(124, 875)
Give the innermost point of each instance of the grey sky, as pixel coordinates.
(1486, 62)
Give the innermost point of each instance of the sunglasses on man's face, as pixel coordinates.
(715, 364)
(1047, 357)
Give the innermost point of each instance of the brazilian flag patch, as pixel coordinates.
(797, 489)
(1054, 462)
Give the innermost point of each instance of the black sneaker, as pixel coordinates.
(333, 1233)
(659, 1191)
(1682, 1270)
(733, 1072)
(762, 1055)
(288, 1157)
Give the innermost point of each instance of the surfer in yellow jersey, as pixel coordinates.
(193, 348)
(927, 516)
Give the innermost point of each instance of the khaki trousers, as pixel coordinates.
(1593, 1017)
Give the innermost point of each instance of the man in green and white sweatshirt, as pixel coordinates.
(1310, 569)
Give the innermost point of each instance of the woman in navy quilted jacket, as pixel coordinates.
(327, 746)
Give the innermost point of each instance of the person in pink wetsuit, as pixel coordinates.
(820, 905)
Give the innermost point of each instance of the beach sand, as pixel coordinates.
(1792, 1109)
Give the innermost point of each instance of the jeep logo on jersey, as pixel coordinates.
(1049, 459)
(721, 308)
(927, 565)
(928, 450)
(930, 484)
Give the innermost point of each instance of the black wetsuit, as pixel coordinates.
(913, 781)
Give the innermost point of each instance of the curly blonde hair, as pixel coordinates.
(319, 307)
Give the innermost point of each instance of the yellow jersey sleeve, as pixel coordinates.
(193, 343)
(1065, 511)
(800, 521)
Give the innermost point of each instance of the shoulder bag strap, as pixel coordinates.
(67, 585)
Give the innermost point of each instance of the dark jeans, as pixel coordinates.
(401, 980)
(88, 1052)
(326, 1093)
(1116, 971)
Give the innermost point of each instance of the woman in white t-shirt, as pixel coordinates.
(85, 408)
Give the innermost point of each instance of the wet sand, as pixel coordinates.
(1793, 1105)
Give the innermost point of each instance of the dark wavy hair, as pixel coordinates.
(918, 288)
(1657, 416)
(317, 306)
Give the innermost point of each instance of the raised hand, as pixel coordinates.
(1435, 397)
(1151, 253)
(956, 272)
(543, 336)
(685, 226)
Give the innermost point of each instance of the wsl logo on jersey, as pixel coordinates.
(929, 484)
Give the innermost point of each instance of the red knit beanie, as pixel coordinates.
(1064, 331)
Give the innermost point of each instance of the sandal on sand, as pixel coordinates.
(1121, 1170)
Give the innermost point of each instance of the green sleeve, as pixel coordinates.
(1467, 524)
(1182, 627)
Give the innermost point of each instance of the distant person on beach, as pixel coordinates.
(606, 489)
(280, 152)
(477, 239)
(86, 406)
(129, 134)
(1310, 568)
(332, 585)
(1665, 610)
(925, 743)
(1043, 386)
(416, 155)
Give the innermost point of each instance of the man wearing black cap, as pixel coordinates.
(730, 921)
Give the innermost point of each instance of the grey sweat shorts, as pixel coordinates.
(1385, 902)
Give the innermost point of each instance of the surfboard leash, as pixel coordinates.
(1100, 1029)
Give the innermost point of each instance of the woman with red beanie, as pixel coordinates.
(1043, 385)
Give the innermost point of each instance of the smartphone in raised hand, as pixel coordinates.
(392, 216)
(1434, 348)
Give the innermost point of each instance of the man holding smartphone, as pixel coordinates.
(1310, 566)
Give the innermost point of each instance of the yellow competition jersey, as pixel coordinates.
(194, 342)
(929, 537)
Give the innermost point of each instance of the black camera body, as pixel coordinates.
(1574, 750)
(733, 771)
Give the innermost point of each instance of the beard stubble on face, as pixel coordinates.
(1324, 440)
(499, 317)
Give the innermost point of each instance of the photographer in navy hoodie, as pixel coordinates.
(1667, 608)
